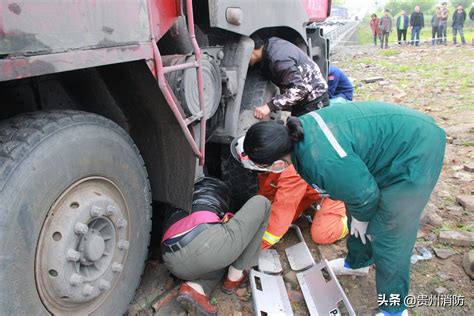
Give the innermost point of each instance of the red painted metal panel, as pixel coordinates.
(163, 15)
(318, 10)
(18, 68)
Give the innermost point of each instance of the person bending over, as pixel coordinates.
(302, 86)
(291, 196)
(200, 245)
(381, 160)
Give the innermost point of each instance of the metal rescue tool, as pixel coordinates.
(321, 290)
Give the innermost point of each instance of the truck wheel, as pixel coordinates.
(243, 183)
(75, 215)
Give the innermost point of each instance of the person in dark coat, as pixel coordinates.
(386, 27)
(340, 87)
(417, 22)
(459, 17)
(471, 14)
(302, 86)
(435, 27)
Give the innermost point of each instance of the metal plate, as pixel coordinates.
(269, 294)
(322, 291)
(299, 256)
(269, 262)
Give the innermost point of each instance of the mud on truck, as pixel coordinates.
(106, 109)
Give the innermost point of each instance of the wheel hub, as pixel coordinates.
(82, 247)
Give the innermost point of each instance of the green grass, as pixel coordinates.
(390, 52)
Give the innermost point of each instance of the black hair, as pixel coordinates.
(266, 142)
(258, 41)
(374, 15)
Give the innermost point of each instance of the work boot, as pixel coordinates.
(194, 302)
(341, 267)
(229, 286)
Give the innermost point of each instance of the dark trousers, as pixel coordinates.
(375, 38)
(310, 106)
(459, 29)
(435, 35)
(384, 38)
(443, 33)
(400, 34)
(415, 33)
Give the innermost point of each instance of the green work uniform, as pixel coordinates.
(383, 162)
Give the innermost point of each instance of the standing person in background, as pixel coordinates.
(459, 17)
(471, 14)
(417, 22)
(443, 23)
(386, 28)
(375, 27)
(435, 34)
(402, 26)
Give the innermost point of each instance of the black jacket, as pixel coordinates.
(459, 21)
(298, 77)
(210, 194)
(417, 19)
(471, 14)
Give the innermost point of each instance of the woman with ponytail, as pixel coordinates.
(381, 160)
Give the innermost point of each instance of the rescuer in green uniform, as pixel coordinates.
(381, 160)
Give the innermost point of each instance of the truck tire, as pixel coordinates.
(243, 183)
(75, 215)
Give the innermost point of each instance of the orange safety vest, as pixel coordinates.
(290, 196)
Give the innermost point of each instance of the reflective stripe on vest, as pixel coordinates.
(328, 133)
(270, 238)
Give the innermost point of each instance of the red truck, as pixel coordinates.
(106, 108)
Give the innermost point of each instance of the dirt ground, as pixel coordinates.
(440, 82)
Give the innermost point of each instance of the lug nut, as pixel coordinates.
(104, 285)
(87, 290)
(110, 210)
(96, 211)
(75, 279)
(117, 267)
(73, 255)
(123, 244)
(121, 222)
(81, 229)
